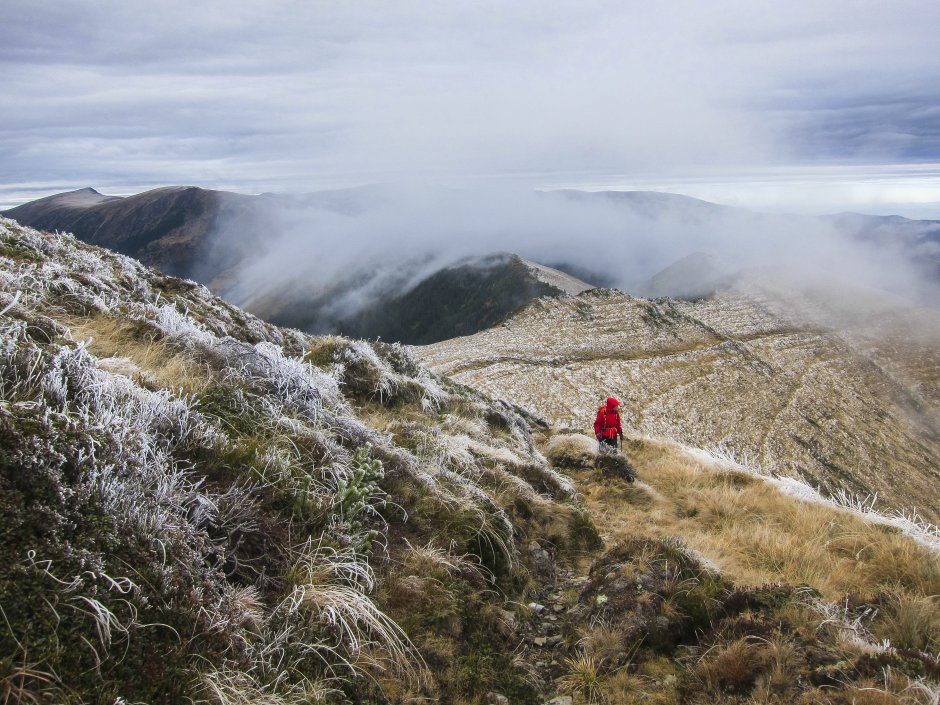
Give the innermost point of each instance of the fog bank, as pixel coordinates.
(345, 249)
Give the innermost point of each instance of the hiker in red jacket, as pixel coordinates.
(607, 424)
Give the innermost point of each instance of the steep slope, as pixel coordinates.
(200, 507)
(168, 228)
(853, 412)
(194, 509)
(460, 299)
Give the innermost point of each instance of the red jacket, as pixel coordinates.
(607, 423)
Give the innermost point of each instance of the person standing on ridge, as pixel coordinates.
(607, 424)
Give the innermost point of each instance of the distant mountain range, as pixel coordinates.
(215, 237)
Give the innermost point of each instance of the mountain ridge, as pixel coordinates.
(222, 240)
(198, 506)
(740, 370)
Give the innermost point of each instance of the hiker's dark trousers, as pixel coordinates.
(612, 442)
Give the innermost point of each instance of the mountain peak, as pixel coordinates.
(693, 276)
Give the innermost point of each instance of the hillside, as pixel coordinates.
(200, 507)
(211, 236)
(168, 228)
(851, 410)
(459, 299)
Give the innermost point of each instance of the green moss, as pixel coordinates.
(19, 251)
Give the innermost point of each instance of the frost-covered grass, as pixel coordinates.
(195, 510)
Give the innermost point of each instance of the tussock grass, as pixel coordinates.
(572, 451)
(869, 595)
(910, 622)
(154, 363)
(582, 678)
(757, 535)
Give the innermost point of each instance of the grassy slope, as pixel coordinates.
(193, 507)
(855, 413)
(197, 505)
(834, 588)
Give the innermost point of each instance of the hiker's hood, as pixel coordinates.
(612, 404)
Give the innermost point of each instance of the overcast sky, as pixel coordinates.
(810, 106)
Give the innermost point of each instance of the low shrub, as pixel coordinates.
(572, 451)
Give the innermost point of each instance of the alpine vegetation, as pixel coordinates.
(201, 507)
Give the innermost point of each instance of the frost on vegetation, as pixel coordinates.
(295, 384)
(358, 359)
(443, 450)
(179, 326)
(190, 491)
(388, 373)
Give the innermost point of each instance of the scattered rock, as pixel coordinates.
(496, 699)
(560, 700)
(540, 640)
(542, 562)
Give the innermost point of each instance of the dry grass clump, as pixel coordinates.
(152, 363)
(571, 451)
(910, 622)
(732, 667)
(583, 679)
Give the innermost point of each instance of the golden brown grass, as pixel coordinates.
(154, 364)
(754, 533)
(583, 679)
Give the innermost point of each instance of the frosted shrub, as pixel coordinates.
(297, 381)
(297, 385)
(179, 327)
(19, 362)
(364, 372)
(404, 364)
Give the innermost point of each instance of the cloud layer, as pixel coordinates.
(333, 261)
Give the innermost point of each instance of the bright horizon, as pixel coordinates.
(812, 108)
(905, 191)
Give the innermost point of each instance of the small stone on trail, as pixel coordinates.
(560, 700)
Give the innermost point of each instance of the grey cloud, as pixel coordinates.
(278, 96)
(401, 235)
